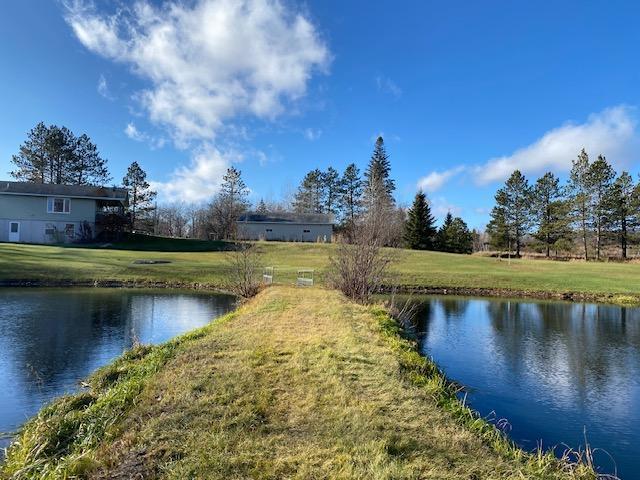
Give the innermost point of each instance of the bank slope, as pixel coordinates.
(295, 384)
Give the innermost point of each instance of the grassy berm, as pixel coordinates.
(294, 384)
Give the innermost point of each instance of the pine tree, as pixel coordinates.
(624, 208)
(443, 243)
(454, 236)
(309, 197)
(53, 154)
(231, 202)
(262, 208)
(379, 186)
(332, 189)
(31, 161)
(511, 220)
(579, 186)
(550, 211)
(140, 196)
(419, 228)
(351, 194)
(600, 178)
(498, 228)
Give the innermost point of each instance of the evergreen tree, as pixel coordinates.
(332, 189)
(624, 207)
(31, 160)
(498, 228)
(53, 154)
(550, 211)
(262, 208)
(140, 196)
(351, 194)
(231, 203)
(454, 236)
(309, 197)
(511, 220)
(379, 187)
(600, 178)
(419, 227)
(87, 167)
(580, 188)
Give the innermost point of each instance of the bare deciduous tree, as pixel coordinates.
(359, 268)
(244, 270)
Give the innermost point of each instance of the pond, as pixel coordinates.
(50, 339)
(556, 371)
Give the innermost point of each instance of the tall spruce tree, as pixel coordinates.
(31, 161)
(87, 167)
(420, 230)
(140, 196)
(580, 190)
(550, 212)
(379, 187)
(351, 194)
(624, 208)
(454, 236)
(600, 178)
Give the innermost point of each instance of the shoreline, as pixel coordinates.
(619, 299)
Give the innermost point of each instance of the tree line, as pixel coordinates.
(596, 208)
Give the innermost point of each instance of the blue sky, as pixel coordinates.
(462, 92)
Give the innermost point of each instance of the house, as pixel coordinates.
(44, 213)
(287, 227)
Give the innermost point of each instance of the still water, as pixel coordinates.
(554, 370)
(50, 339)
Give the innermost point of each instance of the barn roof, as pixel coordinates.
(74, 191)
(287, 217)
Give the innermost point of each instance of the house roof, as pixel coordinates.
(287, 217)
(74, 191)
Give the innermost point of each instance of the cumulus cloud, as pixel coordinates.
(386, 85)
(611, 132)
(133, 133)
(201, 179)
(440, 207)
(207, 61)
(435, 180)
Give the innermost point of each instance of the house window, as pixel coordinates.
(58, 205)
(49, 231)
(14, 227)
(306, 231)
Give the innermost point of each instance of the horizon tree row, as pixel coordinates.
(596, 207)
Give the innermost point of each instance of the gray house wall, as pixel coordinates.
(287, 232)
(31, 213)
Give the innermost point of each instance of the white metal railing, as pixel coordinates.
(305, 278)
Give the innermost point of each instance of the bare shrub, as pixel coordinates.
(244, 263)
(359, 267)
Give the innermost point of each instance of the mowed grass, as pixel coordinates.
(298, 383)
(412, 268)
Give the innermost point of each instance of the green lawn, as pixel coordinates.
(413, 268)
(289, 386)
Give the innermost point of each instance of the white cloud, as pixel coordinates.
(207, 61)
(387, 85)
(133, 133)
(435, 180)
(440, 207)
(312, 134)
(200, 180)
(611, 132)
(103, 88)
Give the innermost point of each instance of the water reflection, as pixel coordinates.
(551, 368)
(52, 338)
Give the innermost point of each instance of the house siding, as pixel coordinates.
(287, 232)
(31, 213)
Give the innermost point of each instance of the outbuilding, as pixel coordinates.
(285, 227)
